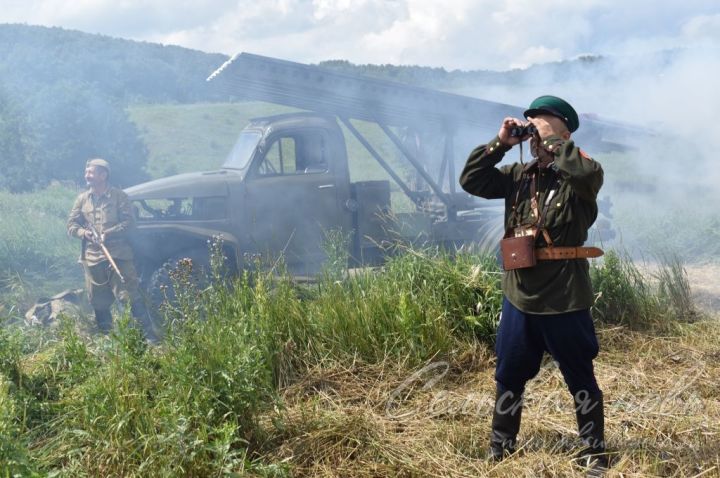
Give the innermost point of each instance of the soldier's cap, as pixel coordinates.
(556, 107)
(98, 162)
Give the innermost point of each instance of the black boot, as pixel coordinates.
(103, 319)
(505, 424)
(590, 415)
(141, 316)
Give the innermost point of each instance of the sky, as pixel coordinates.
(453, 34)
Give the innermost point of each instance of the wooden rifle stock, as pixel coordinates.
(98, 240)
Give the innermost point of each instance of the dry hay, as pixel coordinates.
(357, 420)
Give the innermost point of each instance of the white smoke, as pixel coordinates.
(665, 190)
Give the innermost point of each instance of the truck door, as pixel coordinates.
(292, 198)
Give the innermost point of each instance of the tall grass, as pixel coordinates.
(206, 402)
(192, 407)
(35, 253)
(624, 295)
(419, 305)
(14, 456)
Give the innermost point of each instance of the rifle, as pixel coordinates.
(98, 240)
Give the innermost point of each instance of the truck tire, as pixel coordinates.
(160, 288)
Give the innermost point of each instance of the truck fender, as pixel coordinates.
(198, 236)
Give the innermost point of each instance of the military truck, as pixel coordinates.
(283, 187)
(286, 182)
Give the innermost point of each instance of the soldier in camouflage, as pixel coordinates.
(546, 307)
(108, 209)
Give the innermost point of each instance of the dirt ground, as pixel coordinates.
(705, 285)
(704, 281)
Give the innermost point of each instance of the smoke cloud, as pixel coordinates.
(664, 190)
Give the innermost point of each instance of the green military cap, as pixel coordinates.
(557, 107)
(98, 162)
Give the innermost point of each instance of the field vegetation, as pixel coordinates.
(378, 373)
(197, 137)
(36, 257)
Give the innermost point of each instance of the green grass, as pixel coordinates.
(198, 137)
(193, 407)
(208, 401)
(193, 137)
(627, 296)
(36, 255)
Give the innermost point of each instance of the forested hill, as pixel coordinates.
(33, 58)
(64, 94)
(453, 80)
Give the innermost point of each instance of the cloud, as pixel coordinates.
(465, 34)
(703, 28)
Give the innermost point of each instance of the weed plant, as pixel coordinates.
(112, 406)
(14, 456)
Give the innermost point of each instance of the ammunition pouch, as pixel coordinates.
(518, 252)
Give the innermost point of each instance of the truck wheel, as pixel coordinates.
(160, 288)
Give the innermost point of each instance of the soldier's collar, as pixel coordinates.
(530, 167)
(105, 193)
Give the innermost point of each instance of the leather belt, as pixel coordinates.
(560, 253)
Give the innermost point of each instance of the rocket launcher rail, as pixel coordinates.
(351, 96)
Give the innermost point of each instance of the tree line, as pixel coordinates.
(64, 96)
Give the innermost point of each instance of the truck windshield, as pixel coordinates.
(242, 152)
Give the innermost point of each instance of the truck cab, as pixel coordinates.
(283, 187)
(295, 188)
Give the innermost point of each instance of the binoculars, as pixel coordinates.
(522, 131)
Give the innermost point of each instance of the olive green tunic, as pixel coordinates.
(552, 286)
(111, 214)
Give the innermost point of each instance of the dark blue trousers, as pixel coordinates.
(523, 338)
